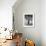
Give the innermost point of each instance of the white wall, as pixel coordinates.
(6, 13)
(28, 6)
(43, 22)
(38, 33)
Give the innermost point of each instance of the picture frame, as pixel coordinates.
(28, 19)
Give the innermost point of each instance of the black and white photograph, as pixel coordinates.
(28, 20)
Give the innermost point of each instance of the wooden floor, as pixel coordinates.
(9, 43)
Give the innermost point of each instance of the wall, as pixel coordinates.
(43, 22)
(6, 13)
(27, 6)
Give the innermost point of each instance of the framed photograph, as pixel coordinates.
(28, 20)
